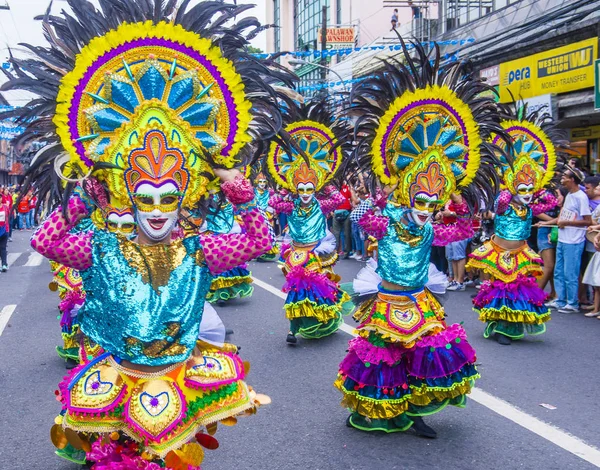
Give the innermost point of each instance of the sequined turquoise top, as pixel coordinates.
(221, 221)
(307, 225)
(404, 251)
(511, 226)
(144, 303)
(262, 198)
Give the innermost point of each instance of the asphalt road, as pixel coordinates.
(503, 427)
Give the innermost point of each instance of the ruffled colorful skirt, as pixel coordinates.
(405, 362)
(160, 416)
(314, 299)
(236, 282)
(511, 304)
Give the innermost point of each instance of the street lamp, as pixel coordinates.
(305, 62)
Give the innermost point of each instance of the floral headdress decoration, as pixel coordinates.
(311, 147)
(423, 129)
(144, 91)
(534, 139)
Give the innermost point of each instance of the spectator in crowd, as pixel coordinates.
(341, 227)
(592, 191)
(22, 211)
(416, 11)
(591, 276)
(5, 208)
(456, 251)
(394, 19)
(363, 205)
(31, 214)
(573, 220)
(546, 244)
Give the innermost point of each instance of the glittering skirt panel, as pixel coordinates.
(162, 410)
(406, 360)
(314, 299)
(511, 303)
(236, 282)
(505, 265)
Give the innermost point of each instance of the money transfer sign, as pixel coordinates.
(559, 70)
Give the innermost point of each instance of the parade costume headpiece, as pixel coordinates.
(424, 129)
(534, 139)
(146, 92)
(311, 147)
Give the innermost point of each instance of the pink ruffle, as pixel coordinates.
(299, 279)
(68, 304)
(374, 225)
(522, 288)
(117, 456)
(442, 354)
(368, 352)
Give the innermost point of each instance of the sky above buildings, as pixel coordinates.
(17, 25)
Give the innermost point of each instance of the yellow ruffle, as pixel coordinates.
(222, 406)
(371, 315)
(505, 265)
(512, 316)
(226, 282)
(387, 409)
(307, 308)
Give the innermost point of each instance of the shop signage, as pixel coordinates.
(491, 75)
(559, 70)
(539, 103)
(597, 84)
(339, 38)
(585, 133)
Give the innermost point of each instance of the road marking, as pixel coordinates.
(12, 257)
(562, 439)
(5, 314)
(35, 259)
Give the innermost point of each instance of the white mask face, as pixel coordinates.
(121, 223)
(524, 194)
(262, 185)
(157, 210)
(422, 210)
(306, 191)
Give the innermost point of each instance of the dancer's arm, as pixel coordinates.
(53, 240)
(281, 205)
(374, 225)
(502, 202)
(225, 252)
(330, 200)
(545, 201)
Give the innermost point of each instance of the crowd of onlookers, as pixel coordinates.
(16, 213)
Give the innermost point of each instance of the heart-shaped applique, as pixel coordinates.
(209, 364)
(95, 386)
(154, 404)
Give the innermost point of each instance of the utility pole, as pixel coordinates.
(323, 44)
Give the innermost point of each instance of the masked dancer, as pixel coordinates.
(422, 134)
(150, 104)
(511, 303)
(314, 299)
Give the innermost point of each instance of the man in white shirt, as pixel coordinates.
(574, 217)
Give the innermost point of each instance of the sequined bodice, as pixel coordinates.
(307, 225)
(262, 198)
(144, 303)
(513, 226)
(222, 220)
(404, 251)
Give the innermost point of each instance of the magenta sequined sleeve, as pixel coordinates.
(280, 205)
(330, 200)
(53, 240)
(374, 225)
(502, 202)
(545, 201)
(226, 251)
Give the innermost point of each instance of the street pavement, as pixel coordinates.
(503, 426)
